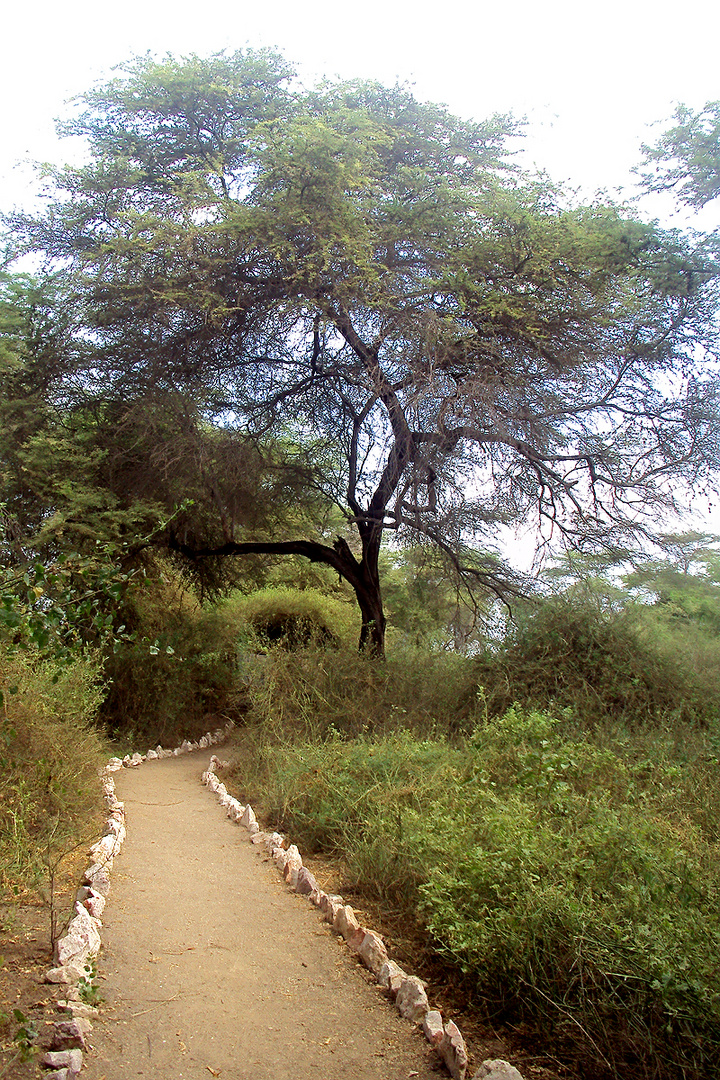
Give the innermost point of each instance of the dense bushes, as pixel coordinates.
(316, 691)
(179, 667)
(50, 755)
(570, 878)
(291, 618)
(601, 663)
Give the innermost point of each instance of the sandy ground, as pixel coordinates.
(211, 966)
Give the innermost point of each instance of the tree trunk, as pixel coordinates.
(369, 596)
(363, 575)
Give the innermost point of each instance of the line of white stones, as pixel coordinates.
(407, 991)
(76, 951)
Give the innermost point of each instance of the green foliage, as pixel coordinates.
(426, 606)
(316, 691)
(179, 668)
(686, 157)
(50, 754)
(566, 652)
(87, 985)
(359, 296)
(572, 880)
(292, 618)
(25, 1036)
(61, 606)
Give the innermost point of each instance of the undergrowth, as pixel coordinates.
(571, 877)
(50, 756)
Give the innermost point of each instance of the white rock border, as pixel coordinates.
(407, 991)
(76, 950)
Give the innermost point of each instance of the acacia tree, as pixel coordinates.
(685, 160)
(370, 276)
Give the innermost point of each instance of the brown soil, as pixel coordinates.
(25, 956)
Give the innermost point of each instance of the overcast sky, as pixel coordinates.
(592, 79)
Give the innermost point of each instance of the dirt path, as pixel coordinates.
(211, 967)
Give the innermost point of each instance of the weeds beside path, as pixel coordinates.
(211, 967)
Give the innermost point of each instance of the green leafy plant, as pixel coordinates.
(87, 985)
(25, 1036)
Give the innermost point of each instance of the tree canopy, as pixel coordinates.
(366, 294)
(686, 158)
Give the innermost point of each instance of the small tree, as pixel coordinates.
(372, 279)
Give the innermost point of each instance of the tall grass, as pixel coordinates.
(50, 757)
(177, 673)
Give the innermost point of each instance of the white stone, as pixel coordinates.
(57, 975)
(345, 922)
(248, 818)
(64, 1059)
(372, 952)
(453, 1051)
(306, 883)
(432, 1026)
(316, 897)
(104, 850)
(332, 906)
(497, 1069)
(114, 764)
(82, 938)
(152, 755)
(203, 743)
(280, 858)
(293, 862)
(78, 1008)
(411, 1000)
(390, 976)
(71, 1034)
(94, 903)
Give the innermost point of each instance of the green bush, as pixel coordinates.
(290, 618)
(179, 672)
(603, 664)
(313, 691)
(50, 756)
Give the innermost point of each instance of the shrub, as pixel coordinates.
(602, 664)
(290, 618)
(316, 690)
(50, 755)
(570, 879)
(180, 669)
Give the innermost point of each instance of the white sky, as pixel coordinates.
(591, 78)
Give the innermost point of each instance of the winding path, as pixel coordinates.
(211, 966)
